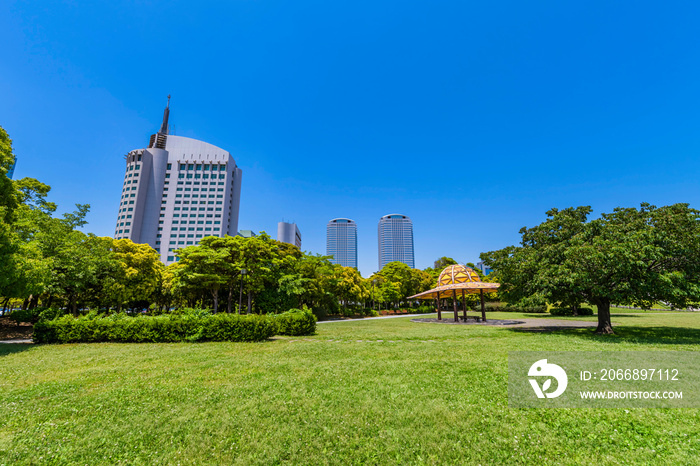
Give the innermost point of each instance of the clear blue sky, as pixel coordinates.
(472, 118)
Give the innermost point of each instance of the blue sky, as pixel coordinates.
(472, 118)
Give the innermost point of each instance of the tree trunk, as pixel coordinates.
(230, 298)
(604, 324)
(215, 294)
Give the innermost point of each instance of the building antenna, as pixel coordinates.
(166, 115)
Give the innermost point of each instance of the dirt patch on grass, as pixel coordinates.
(10, 331)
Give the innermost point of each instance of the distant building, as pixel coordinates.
(485, 269)
(396, 240)
(341, 241)
(12, 169)
(247, 233)
(177, 191)
(289, 233)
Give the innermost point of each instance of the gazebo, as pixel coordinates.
(453, 281)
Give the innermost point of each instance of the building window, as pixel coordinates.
(182, 166)
(190, 167)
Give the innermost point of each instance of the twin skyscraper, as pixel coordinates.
(395, 234)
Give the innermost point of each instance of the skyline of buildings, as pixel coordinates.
(289, 233)
(341, 242)
(176, 191)
(179, 190)
(395, 237)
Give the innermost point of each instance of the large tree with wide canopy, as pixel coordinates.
(630, 256)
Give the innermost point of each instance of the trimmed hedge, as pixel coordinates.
(567, 311)
(154, 329)
(296, 322)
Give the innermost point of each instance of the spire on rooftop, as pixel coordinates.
(166, 114)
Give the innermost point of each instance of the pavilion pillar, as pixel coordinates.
(438, 306)
(464, 303)
(454, 304)
(483, 308)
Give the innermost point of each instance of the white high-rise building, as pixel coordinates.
(177, 191)
(341, 241)
(289, 233)
(395, 240)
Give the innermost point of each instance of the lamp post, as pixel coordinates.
(240, 297)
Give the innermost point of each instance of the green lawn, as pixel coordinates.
(434, 394)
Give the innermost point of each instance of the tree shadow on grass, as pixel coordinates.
(11, 348)
(626, 334)
(550, 316)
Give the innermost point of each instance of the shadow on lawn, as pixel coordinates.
(550, 316)
(11, 348)
(625, 334)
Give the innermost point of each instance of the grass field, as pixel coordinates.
(425, 393)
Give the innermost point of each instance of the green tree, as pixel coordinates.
(204, 267)
(630, 256)
(137, 276)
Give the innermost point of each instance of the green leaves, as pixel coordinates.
(629, 256)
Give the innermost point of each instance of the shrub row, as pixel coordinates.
(296, 322)
(167, 328)
(567, 311)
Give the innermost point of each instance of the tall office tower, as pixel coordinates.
(12, 169)
(341, 241)
(395, 240)
(289, 233)
(177, 191)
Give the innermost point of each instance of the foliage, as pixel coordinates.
(166, 328)
(631, 256)
(137, 274)
(569, 311)
(296, 322)
(26, 315)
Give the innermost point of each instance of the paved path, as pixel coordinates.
(16, 341)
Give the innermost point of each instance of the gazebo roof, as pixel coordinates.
(457, 277)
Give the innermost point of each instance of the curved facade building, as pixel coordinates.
(341, 241)
(289, 233)
(396, 240)
(177, 191)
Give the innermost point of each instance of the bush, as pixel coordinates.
(52, 313)
(296, 322)
(567, 311)
(424, 309)
(26, 315)
(501, 307)
(157, 329)
(320, 313)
